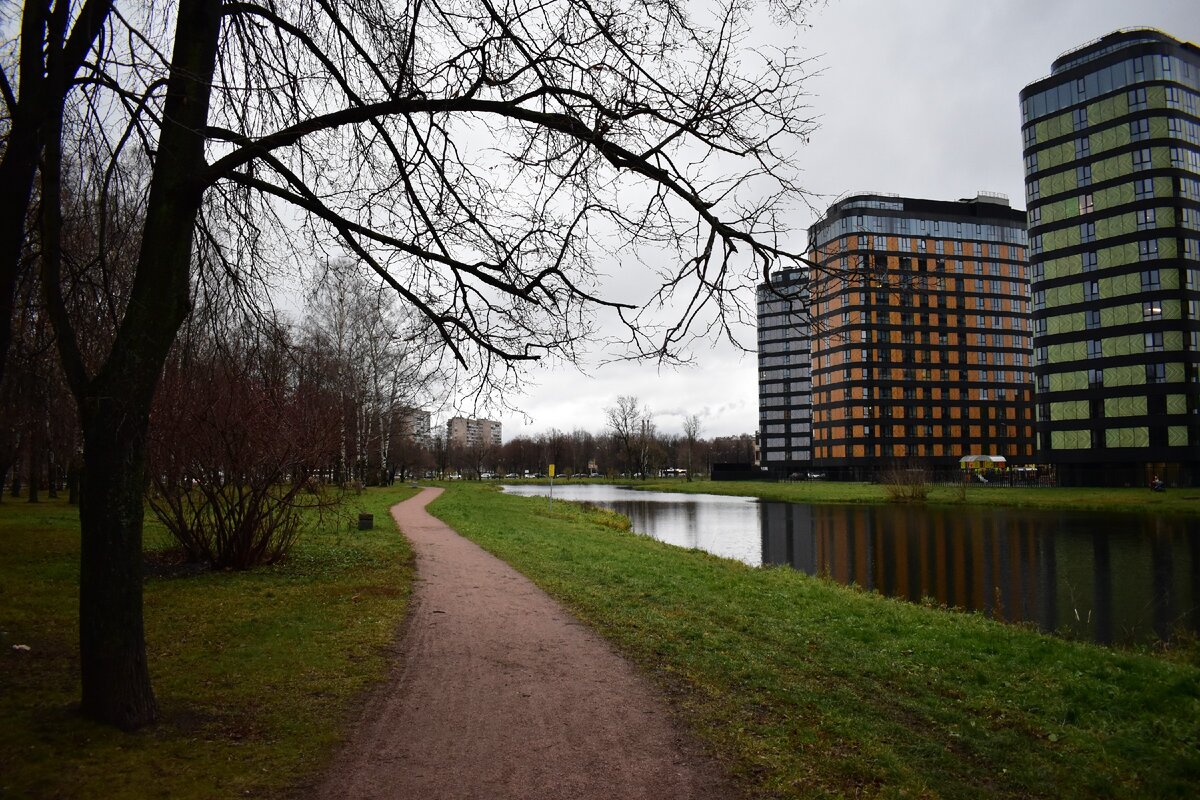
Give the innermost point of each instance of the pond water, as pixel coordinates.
(1112, 578)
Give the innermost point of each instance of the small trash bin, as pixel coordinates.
(366, 522)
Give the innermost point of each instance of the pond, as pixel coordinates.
(1112, 578)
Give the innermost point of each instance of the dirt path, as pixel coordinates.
(501, 693)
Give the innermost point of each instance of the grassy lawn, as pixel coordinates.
(257, 673)
(809, 689)
(1184, 501)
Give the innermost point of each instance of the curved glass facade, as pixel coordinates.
(1112, 176)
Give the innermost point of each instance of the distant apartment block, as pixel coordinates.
(415, 424)
(465, 432)
(1112, 179)
(784, 443)
(920, 341)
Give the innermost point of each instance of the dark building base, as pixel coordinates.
(737, 472)
(1127, 473)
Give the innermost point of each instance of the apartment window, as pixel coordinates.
(1137, 98)
(1145, 219)
(1150, 280)
(1151, 309)
(1035, 216)
(1091, 290)
(1141, 159)
(1087, 232)
(1079, 119)
(1148, 250)
(1039, 354)
(1091, 318)
(1174, 97)
(1156, 373)
(1083, 147)
(1083, 175)
(1153, 341)
(1090, 261)
(1031, 163)
(1085, 204)
(1037, 272)
(1095, 348)
(1039, 327)
(1139, 129)
(1033, 190)
(1095, 378)
(1143, 188)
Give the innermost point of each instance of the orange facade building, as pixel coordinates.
(920, 335)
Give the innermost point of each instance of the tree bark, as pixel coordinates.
(112, 642)
(114, 406)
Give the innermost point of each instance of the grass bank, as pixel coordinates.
(1173, 501)
(256, 673)
(808, 689)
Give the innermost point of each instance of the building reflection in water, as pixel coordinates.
(1137, 578)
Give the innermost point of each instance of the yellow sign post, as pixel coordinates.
(550, 499)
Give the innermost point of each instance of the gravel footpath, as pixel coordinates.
(500, 693)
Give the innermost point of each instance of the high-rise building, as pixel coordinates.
(466, 432)
(784, 392)
(415, 424)
(1112, 181)
(921, 349)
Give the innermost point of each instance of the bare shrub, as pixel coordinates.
(233, 453)
(906, 484)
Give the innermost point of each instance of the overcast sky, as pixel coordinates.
(914, 97)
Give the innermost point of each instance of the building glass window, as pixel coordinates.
(1095, 348)
(1150, 280)
(1089, 260)
(1033, 190)
(1145, 219)
(1079, 119)
(1085, 204)
(1095, 378)
(1156, 373)
(1148, 249)
(1083, 147)
(1139, 129)
(1039, 300)
(1143, 188)
(1039, 354)
(1091, 318)
(1137, 98)
(1154, 341)
(1035, 216)
(1083, 175)
(1091, 290)
(1152, 309)
(1087, 232)
(1141, 159)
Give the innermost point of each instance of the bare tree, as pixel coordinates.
(624, 425)
(691, 432)
(473, 155)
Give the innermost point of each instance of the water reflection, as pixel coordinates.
(1111, 578)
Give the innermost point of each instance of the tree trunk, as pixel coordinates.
(114, 406)
(112, 642)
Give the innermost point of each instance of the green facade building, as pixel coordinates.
(1112, 179)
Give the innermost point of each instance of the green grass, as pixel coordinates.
(258, 674)
(1175, 501)
(809, 689)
